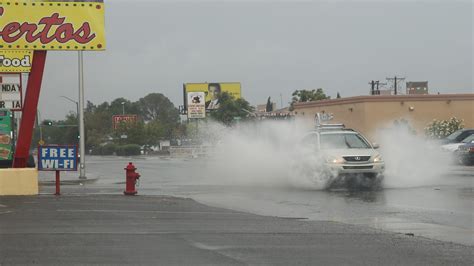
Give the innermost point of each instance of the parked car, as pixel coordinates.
(465, 153)
(458, 136)
(452, 147)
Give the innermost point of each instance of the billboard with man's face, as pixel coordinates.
(212, 90)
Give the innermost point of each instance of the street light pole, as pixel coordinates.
(77, 107)
(82, 146)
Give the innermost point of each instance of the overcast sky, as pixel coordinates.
(271, 47)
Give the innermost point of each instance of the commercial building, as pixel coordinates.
(417, 87)
(368, 114)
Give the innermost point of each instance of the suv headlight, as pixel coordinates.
(335, 160)
(378, 159)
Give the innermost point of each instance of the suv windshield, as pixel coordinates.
(343, 141)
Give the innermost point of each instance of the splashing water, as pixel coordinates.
(411, 160)
(267, 154)
(260, 154)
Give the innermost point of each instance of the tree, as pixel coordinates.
(230, 108)
(338, 95)
(307, 96)
(154, 131)
(157, 119)
(439, 129)
(156, 106)
(269, 107)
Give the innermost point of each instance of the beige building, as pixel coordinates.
(368, 114)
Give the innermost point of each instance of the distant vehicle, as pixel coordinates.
(465, 153)
(458, 136)
(452, 147)
(346, 156)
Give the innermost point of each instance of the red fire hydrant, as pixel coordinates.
(131, 179)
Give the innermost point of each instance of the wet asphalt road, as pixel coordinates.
(441, 211)
(161, 230)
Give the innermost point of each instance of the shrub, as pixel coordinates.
(96, 151)
(442, 128)
(108, 149)
(128, 150)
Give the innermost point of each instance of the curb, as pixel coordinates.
(69, 182)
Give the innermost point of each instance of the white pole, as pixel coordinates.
(82, 165)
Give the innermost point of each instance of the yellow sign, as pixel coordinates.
(212, 90)
(32, 25)
(15, 61)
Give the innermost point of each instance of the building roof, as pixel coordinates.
(417, 84)
(388, 98)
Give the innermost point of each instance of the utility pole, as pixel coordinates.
(38, 125)
(395, 83)
(82, 146)
(372, 87)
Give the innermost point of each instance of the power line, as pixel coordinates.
(395, 81)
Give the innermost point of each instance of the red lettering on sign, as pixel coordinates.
(9, 30)
(54, 29)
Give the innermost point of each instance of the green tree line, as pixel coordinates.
(157, 119)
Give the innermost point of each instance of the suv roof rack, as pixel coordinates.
(330, 127)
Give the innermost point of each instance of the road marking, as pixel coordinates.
(95, 233)
(177, 212)
(3, 206)
(209, 247)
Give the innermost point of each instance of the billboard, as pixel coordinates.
(196, 104)
(10, 92)
(212, 90)
(6, 135)
(15, 61)
(118, 119)
(47, 25)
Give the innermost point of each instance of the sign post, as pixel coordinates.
(57, 158)
(25, 131)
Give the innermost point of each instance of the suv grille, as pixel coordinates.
(356, 158)
(358, 167)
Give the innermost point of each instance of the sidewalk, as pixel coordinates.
(116, 229)
(48, 178)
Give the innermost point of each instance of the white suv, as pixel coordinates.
(346, 156)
